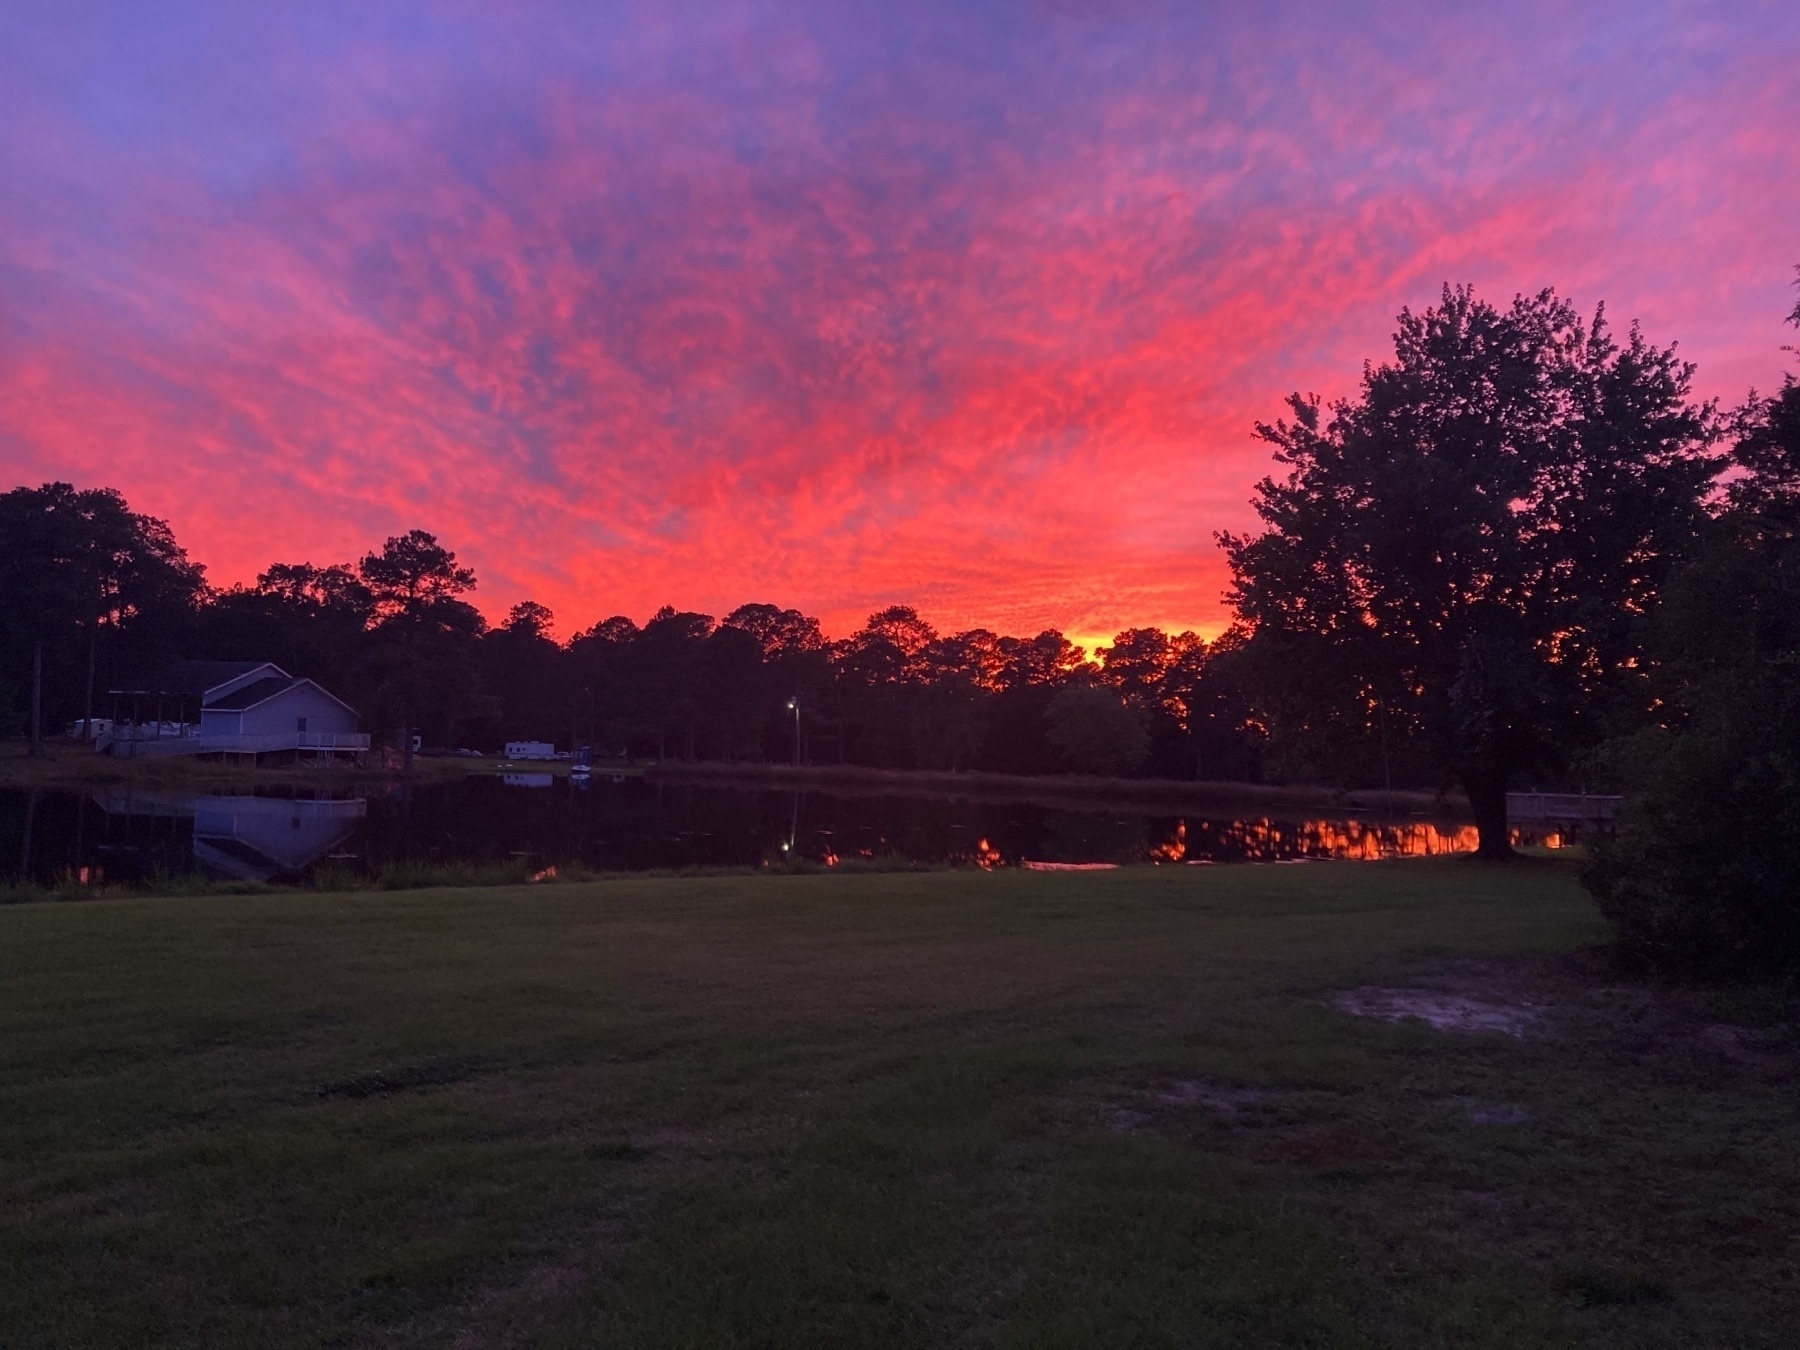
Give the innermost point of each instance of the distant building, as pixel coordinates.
(230, 708)
(530, 750)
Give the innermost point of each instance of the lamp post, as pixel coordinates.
(794, 703)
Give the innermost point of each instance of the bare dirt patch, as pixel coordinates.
(1441, 1011)
(1581, 1001)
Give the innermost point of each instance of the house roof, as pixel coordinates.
(190, 678)
(252, 694)
(261, 691)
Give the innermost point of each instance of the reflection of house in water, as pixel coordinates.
(247, 838)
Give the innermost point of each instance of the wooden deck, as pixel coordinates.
(142, 743)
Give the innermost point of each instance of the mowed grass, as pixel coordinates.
(944, 1109)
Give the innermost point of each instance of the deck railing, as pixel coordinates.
(139, 739)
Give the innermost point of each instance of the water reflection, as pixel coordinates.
(1265, 840)
(129, 834)
(245, 838)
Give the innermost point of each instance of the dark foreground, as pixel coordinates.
(922, 1110)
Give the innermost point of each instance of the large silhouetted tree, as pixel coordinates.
(77, 567)
(524, 671)
(412, 574)
(422, 667)
(1466, 548)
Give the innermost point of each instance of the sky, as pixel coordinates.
(970, 307)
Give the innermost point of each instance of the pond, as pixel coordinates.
(132, 835)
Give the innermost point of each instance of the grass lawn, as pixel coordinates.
(1006, 1109)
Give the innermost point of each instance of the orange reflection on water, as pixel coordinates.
(1267, 840)
(985, 856)
(1174, 849)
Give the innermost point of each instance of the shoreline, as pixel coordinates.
(1060, 789)
(71, 767)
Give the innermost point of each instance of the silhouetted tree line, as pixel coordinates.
(100, 595)
(1520, 553)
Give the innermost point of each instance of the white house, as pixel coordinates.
(231, 708)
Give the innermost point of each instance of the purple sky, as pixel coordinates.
(964, 306)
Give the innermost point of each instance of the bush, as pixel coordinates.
(1702, 875)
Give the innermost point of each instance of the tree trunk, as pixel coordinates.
(37, 699)
(1487, 802)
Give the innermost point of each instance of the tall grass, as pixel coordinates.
(67, 886)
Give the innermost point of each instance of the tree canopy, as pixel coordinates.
(1461, 555)
(77, 564)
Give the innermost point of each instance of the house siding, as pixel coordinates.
(281, 714)
(219, 723)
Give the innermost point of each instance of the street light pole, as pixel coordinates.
(794, 703)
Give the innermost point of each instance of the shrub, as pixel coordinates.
(1702, 875)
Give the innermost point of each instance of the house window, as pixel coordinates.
(302, 726)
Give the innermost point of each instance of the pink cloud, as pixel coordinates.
(930, 334)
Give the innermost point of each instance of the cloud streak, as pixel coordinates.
(972, 309)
